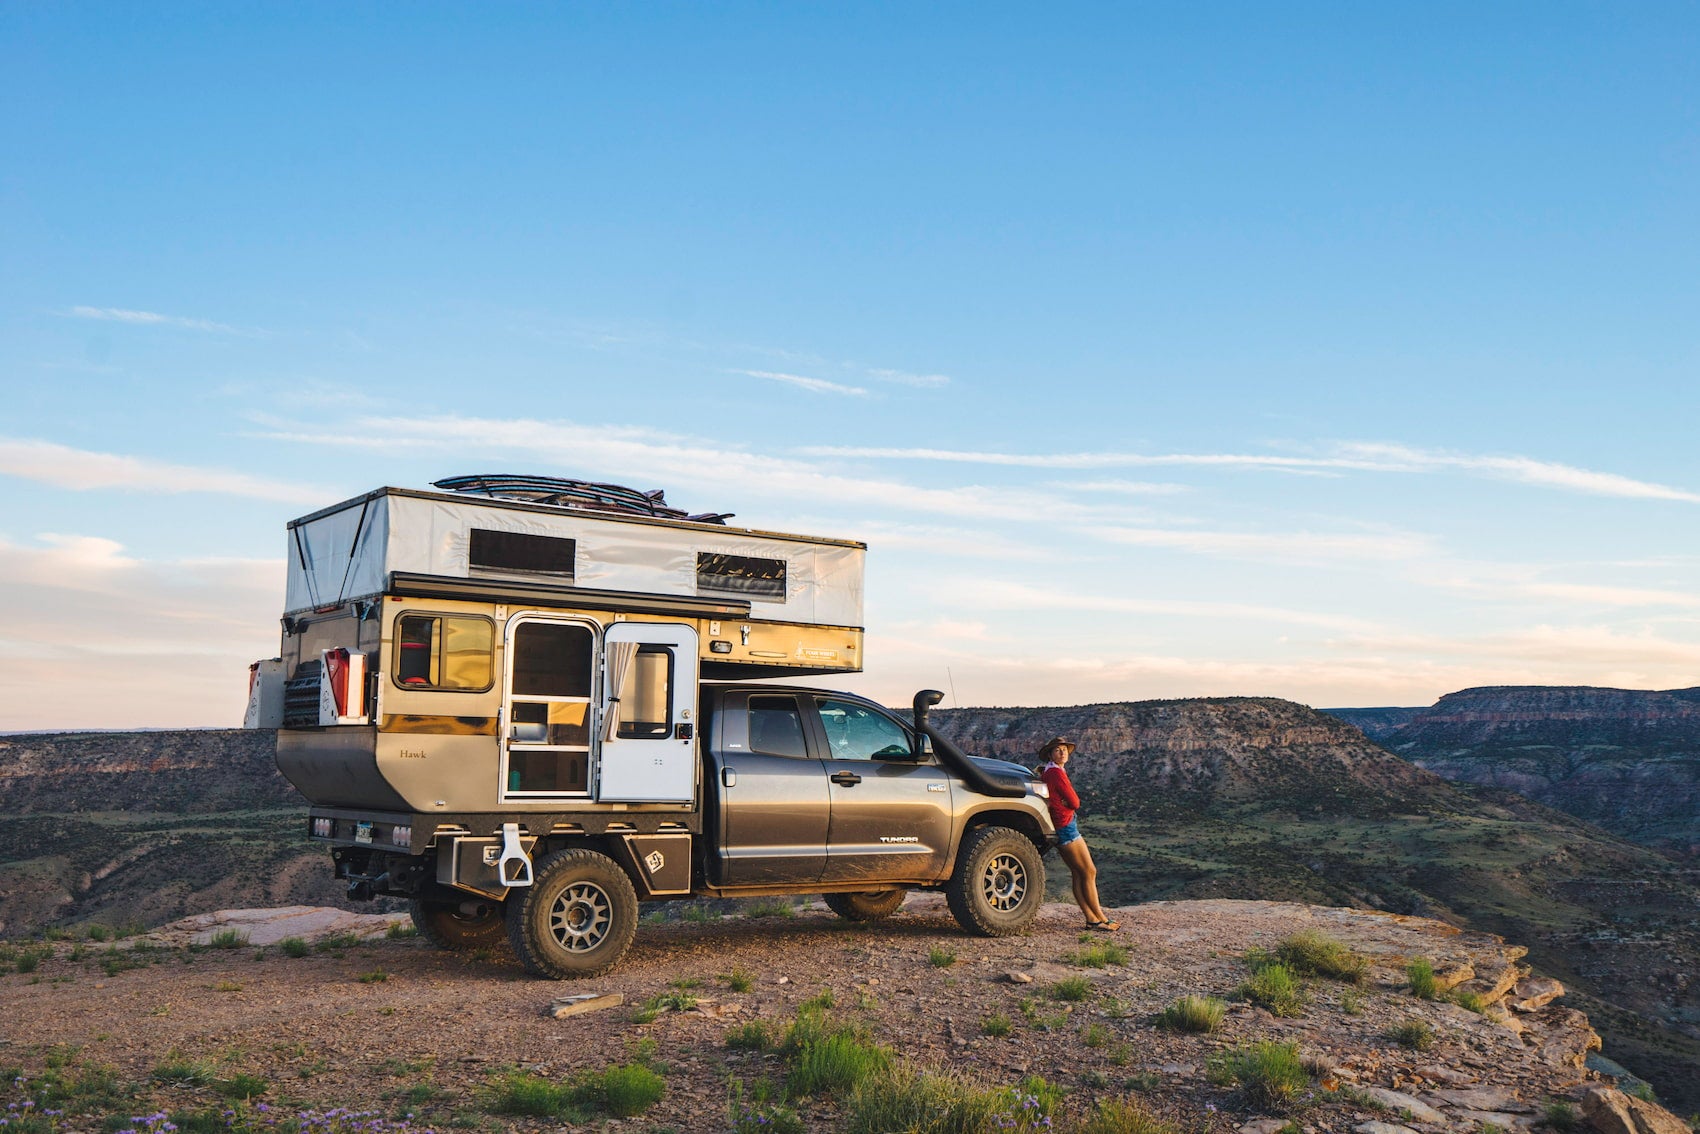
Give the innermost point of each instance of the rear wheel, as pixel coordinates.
(460, 926)
(999, 883)
(577, 919)
(871, 905)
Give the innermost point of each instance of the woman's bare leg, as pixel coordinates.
(1083, 879)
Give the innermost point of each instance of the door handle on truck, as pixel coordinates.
(845, 779)
(728, 778)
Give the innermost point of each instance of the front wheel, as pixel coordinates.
(577, 919)
(998, 884)
(459, 926)
(871, 905)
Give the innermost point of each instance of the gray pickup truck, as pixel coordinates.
(527, 715)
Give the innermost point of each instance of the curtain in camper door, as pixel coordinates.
(620, 657)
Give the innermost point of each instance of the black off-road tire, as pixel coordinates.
(577, 919)
(872, 905)
(447, 926)
(998, 885)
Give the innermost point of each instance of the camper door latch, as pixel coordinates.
(683, 732)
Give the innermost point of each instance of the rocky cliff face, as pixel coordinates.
(188, 770)
(1626, 759)
(1151, 757)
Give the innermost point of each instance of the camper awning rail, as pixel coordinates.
(411, 585)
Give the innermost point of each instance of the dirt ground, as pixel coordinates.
(327, 1030)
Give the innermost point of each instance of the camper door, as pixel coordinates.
(648, 726)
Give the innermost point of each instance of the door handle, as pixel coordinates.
(728, 777)
(845, 779)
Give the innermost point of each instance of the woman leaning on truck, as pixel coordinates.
(1083, 874)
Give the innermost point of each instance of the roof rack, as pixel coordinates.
(583, 494)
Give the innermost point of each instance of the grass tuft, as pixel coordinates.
(1312, 953)
(401, 930)
(1123, 1116)
(752, 1036)
(997, 1025)
(294, 947)
(940, 958)
(1097, 956)
(1275, 988)
(1414, 1034)
(740, 980)
(1073, 989)
(769, 907)
(1193, 1014)
(1419, 974)
(1561, 1116)
(227, 939)
(1268, 1074)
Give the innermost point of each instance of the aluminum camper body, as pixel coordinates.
(485, 638)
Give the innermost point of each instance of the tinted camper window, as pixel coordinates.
(519, 553)
(746, 576)
(444, 651)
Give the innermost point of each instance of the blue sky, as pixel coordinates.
(1338, 352)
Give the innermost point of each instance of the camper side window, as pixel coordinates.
(444, 651)
(549, 721)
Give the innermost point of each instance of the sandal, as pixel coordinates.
(1104, 926)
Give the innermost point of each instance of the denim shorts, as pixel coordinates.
(1067, 833)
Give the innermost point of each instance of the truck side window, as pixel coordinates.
(856, 732)
(776, 726)
(444, 651)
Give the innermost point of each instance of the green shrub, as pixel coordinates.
(1097, 956)
(740, 980)
(752, 1036)
(180, 1071)
(1094, 1035)
(1419, 974)
(916, 1102)
(1312, 953)
(1269, 1075)
(769, 907)
(940, 958)
(760, 1109)
(836, 1063)
(1193, 1014)
(1123, 1116)
(228, 939)
(401, 930)
(97, 932)
(242, 1087)
(1470, 1001)
(294, 947)
(1414, 1034)
(28, 959)
(819, 1002)
(376, 976)
(1351, 1002)
(1561, 1116)
(622, 1090)
(996, 1025)
(521, 1092)
(332, 942)
(1073, 989)
(1640, 1089)
(1275, 988)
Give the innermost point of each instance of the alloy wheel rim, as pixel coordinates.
(581, 917)
(1004, 882)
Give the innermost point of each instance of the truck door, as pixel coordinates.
(648, 725)
(891, 815)
(773, 798)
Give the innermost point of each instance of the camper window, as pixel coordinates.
(444, 652)
(646, 702)
(746, 576)
(549, 725)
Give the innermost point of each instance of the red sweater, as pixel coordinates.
(1062, 802)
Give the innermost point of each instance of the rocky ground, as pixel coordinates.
(385, 1023)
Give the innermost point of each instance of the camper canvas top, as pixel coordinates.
(354, 549)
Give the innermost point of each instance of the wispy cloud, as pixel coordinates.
(1359, 456)
(813, 385)
(1304, 547)
(64, 467)
(904, 378)
(1123, 487)
(1021, 596)
(153, 319)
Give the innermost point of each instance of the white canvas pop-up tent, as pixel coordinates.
(353, 550)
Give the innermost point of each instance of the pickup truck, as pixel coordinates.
(805, 791)
(526, 705)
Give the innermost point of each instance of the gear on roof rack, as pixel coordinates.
(566, 493)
